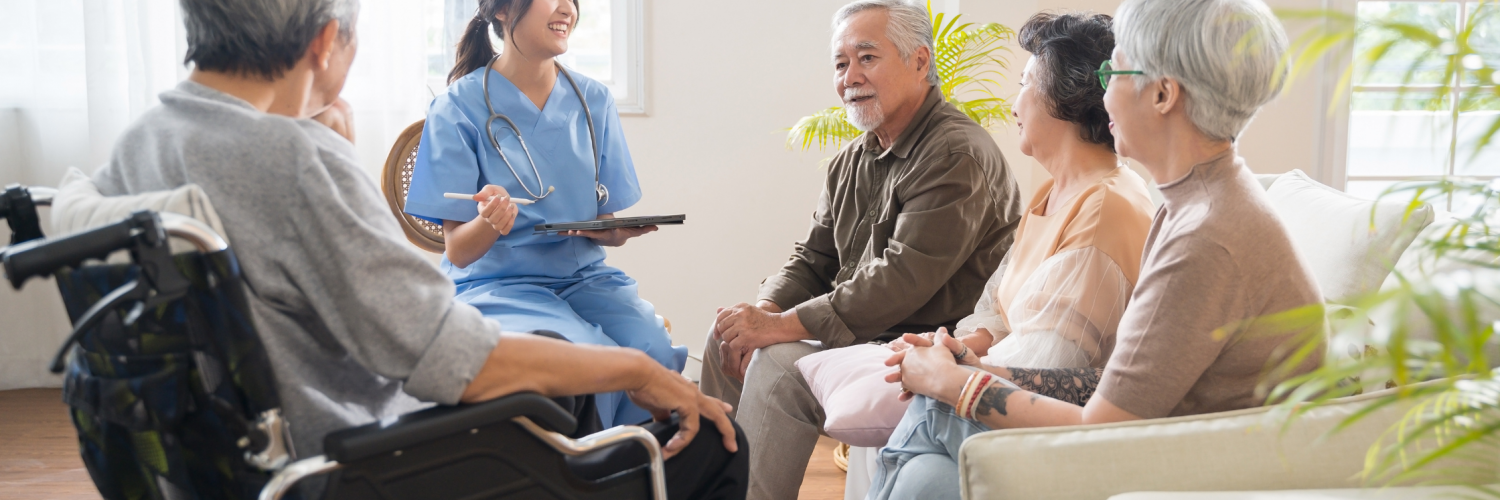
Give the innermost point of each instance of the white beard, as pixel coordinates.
(866, 116)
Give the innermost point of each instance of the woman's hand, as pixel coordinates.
(928, 370)
(611, 237)
(919, 340)
(667, 392)
(979, 341)
(496, 209)
(962, 353)
(339, 116)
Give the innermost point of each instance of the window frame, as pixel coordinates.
(629, 43)
(1333, 158)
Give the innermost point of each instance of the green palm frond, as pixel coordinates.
(988, 112)
(823, 127)
(969, 59)
(1437, 323)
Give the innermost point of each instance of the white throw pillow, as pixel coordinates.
(1334, 234)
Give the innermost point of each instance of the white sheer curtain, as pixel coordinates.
(75, 73)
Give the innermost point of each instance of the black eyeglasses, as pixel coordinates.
(1106, 70)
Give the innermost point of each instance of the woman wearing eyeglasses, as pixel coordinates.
(1185, 79)
(518, 124)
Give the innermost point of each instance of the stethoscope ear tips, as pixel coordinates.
(550, 189)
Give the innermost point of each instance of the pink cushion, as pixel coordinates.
(862, 408)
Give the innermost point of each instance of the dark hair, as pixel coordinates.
(1068, 49)
(256, 37)
(474, 49)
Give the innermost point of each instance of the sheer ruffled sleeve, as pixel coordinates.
(986, 314)
(1065, 314)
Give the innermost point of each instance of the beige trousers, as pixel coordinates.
(777, 411)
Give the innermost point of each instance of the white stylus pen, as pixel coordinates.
(470, 197)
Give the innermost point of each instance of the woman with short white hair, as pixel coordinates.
(1186, 78)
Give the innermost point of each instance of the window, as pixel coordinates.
(1401, 127)
(607, 45)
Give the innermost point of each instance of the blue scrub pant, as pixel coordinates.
(921, 458)
(599, 305)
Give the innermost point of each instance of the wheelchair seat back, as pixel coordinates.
(166, 381)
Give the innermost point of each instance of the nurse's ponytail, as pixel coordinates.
(474, 49)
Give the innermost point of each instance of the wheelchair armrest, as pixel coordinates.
(537, 415)
(353, 444)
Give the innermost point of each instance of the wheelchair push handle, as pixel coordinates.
(43, 257)
(18, 206)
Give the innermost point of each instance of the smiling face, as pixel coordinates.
(544, 28)
(869, 74)
(1132, 116)
(1040, 131)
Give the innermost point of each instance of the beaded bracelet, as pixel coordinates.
(974, 388)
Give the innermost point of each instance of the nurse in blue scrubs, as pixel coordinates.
(535, 282)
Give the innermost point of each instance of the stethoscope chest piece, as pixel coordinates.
(602, 192)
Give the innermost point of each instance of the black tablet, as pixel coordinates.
(650, 220)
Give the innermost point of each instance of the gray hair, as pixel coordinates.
(263, 38)
(909, 28)
(1226, 54)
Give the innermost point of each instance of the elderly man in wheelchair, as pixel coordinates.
(310, 350)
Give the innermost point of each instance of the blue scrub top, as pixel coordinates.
(456, 156)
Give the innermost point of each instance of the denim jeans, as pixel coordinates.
(921, 458)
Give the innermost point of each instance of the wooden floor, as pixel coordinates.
(39, 453)
(824, 481)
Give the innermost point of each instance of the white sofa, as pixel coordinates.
(1238, 455)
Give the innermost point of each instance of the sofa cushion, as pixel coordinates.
(1349, 253)
(1242, 450)
(1266, 180)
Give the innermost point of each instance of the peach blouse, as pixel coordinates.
(1057, 299)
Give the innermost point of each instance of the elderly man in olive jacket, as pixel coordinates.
(915, 216)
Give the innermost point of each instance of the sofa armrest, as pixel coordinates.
(1248, 449)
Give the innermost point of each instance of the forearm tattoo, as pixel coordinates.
(1073, 385)
(993, 399)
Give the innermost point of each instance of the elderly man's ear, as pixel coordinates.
(321, 48)
(924, 61)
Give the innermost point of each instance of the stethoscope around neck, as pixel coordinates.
(601, 192)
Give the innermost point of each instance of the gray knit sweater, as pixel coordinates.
(358, 325)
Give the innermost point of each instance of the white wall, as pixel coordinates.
(32, 321)
(725, 80)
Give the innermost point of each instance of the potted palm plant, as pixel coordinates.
(1437, 323)
(969, 58)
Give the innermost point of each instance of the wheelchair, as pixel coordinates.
(173, 398)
